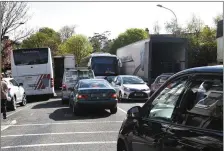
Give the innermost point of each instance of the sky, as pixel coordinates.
(97, 17)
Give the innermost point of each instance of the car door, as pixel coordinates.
(199, 124)
(156, 117)
(16, 89)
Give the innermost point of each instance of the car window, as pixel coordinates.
(14, 83)
(93, 84)
(132, 80)
(203, 103)
(163, 105)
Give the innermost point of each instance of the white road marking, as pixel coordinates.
(7, 126)
(19, 110)
(122, 110)
(64, 133)
(78, 122)
(60, 144)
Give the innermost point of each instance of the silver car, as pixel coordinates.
(70, 78)
(130, 87)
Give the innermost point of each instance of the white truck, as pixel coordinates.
(62, 63)
(220, 42)
(151, 57)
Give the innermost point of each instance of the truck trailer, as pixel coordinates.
(151, 57)
(62, 63)
(219, 38)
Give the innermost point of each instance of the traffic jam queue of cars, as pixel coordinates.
(81, 89)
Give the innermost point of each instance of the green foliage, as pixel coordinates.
(77, 45)
(129, 36)
(45, 37)
(100, 42)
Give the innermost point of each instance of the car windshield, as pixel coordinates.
(93, 84)
(132, 80)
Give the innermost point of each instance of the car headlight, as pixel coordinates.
(147, 89)
(126, 89)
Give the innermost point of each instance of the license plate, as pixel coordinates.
(32, 85)
(98, 95)
(138, 94)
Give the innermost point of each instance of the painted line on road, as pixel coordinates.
(7, 126)
(19, 110)
(78, 122)
(64, 133)
(122, 110)
(59, 144)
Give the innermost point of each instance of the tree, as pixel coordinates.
(45, 37)
(100, 41)
(172, 27)
(156, 27)
(129, 36)
(13, 15)
(195, 25)
(217, 18)
(77, 45)
(66, 32)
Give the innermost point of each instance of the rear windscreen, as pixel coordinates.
(93, 84)
(75, 75)
(30, 56)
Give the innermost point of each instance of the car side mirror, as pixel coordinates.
(134, 112)
(21, 84)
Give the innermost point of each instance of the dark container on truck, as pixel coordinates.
(151, 57)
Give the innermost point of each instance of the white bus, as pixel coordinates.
(34, 70)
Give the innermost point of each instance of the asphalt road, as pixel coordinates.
(48, 125)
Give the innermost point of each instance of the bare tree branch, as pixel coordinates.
(13, 15)
(66, 32)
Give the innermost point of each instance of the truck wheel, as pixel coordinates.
(23, 103)
(113, 110)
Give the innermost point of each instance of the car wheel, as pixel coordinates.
(113, 110)
(76, 110)
(23, 103)
(13, 104)
(121, 147)
(62, 101)
(120, 97)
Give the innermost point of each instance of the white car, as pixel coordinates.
(70, 78)
(130, 87)
(16, 92)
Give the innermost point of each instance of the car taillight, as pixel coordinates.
(52, 82)
(64, 86)
(82, 96)
(114, 96)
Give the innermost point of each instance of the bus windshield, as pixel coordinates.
(30, 56)
(104, 65)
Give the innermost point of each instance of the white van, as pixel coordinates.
(33, 69)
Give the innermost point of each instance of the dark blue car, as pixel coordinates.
(93, 94)
(184, 114)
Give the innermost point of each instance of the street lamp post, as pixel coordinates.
(173, 14)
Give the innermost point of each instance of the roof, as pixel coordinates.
(92, 80)
(102, 54)
(205, 69)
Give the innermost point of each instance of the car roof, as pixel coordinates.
(205, 69)
(129, 76)
(7, 79)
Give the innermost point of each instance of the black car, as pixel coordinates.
(93, 94)
(185, 114)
